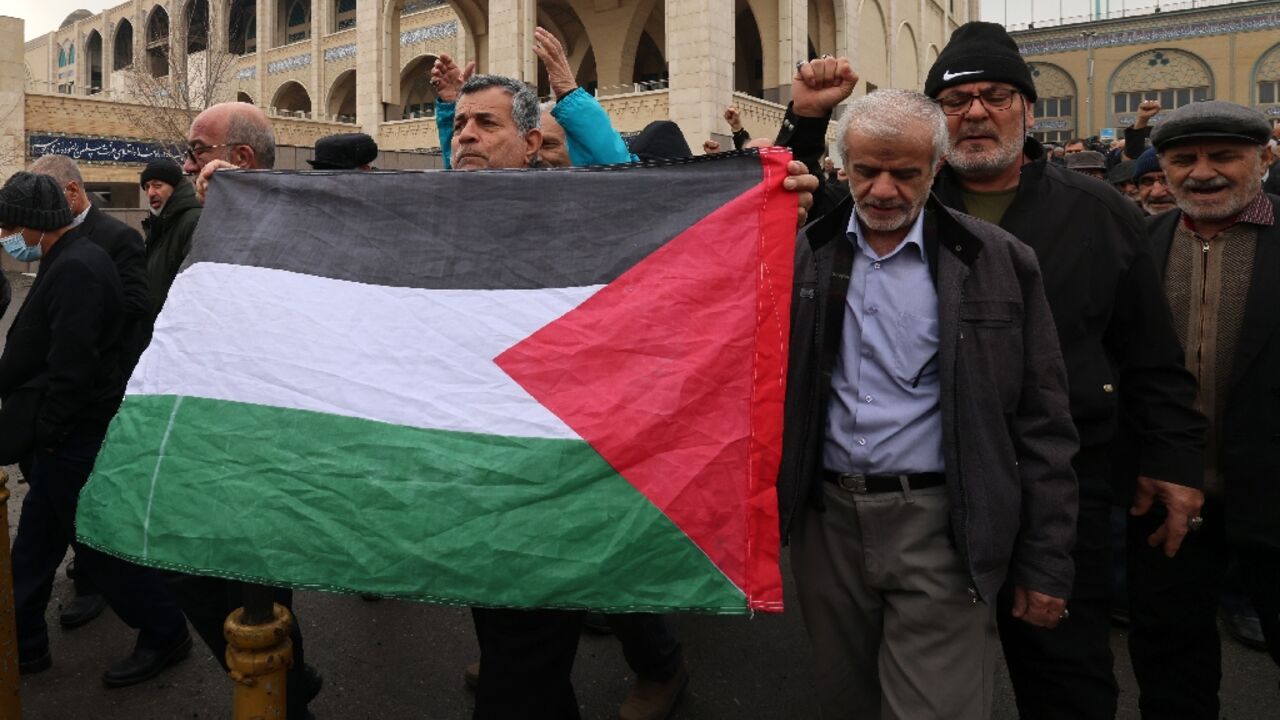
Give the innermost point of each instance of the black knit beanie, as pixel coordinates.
(34, 202)
(163, 170)
(980, 51)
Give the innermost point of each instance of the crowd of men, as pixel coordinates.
(991, 349)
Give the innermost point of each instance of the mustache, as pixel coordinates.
(1213, 184)
(884, 205)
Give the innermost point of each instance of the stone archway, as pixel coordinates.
(1174, 77)
(473, 17)
(93, 62)
(1056, 103)
(906, 60)
(342, 98)
(417, 95)
(157, 45)
(122, 46)
(292, 98)
(748, 55)
(242, 27)
(873, 52)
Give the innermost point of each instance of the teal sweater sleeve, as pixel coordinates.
(444, 128)
(588, 131)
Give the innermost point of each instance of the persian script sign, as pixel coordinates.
(89, 149)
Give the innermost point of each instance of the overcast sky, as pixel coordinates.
(44, 16)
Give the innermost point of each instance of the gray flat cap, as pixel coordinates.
(1086, 160)
(1211, 120)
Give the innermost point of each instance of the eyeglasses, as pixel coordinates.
(995, 98)
(1147, 181)
(195, 151)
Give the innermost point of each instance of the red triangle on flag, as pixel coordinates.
(675, 373)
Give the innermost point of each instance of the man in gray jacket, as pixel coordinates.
(928, 440)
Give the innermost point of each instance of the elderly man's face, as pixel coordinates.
(158, 192)
(889, 177)
(986, 138)
(554, 151)
(1213, 180)
(206, 141)
(1153, 193)
(485, 135)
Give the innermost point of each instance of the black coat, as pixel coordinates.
(1249, 439)
(124, 245)
(1007, 438)
(66, 339)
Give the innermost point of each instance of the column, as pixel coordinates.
(375, 41)
(700, 59)
(13, 77)
(511, 24)
(266, 29)
(321, 11)
(793, 44)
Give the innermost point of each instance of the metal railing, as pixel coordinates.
(1125, 11)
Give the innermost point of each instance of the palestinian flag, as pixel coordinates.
(513, 388)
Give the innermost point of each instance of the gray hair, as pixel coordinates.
(59, 167)
(524, 102)
(244, 128)
(888, 113)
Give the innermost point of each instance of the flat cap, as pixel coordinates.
(1211, 120)
(1122, 172)
(344, 151)
(1086, 160)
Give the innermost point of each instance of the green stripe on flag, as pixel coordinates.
(312, 500)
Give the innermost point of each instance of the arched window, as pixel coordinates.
(297, 21)
(344, 15)
(71, 55)
(62, 58)
(1174, 77)
(1055, 110)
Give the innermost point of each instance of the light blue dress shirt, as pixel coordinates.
(884, 417)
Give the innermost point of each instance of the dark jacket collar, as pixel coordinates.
(939, 224)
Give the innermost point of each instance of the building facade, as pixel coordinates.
(1092, 76)
(322, 66)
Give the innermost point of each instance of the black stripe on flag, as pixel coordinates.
(481, 230)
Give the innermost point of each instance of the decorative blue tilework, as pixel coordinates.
(297, 62)
(430, 32)
(1136, 36)
(340, 52)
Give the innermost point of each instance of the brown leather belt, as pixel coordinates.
(865, 484)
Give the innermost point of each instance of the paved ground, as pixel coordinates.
(393, 659)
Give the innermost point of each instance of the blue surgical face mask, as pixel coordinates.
(19, 249)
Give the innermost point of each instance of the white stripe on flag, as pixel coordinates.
(419, 358)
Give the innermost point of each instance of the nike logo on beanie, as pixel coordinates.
(948, 76)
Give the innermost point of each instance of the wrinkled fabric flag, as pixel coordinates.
(511, 388)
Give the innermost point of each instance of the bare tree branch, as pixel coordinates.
(175, 79)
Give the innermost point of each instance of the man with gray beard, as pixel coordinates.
(1220, 255)
(1123, 358)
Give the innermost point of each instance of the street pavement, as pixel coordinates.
(394, 659)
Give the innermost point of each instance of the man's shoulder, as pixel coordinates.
(992, 237)
(1072, 192)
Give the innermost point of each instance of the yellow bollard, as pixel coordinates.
(259, 657)
(10, 677)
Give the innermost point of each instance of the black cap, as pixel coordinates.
(1146, 162)
(977, 52)
(660, 140)
(1086, 160)
(163, 170)
(1211, 120)
(1122, 172)
(33, 201)
(344, 151)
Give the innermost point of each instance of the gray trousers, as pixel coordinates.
(895, 630)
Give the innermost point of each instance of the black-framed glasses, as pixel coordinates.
(994, 98)
(1147, 181)
(195, 151)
